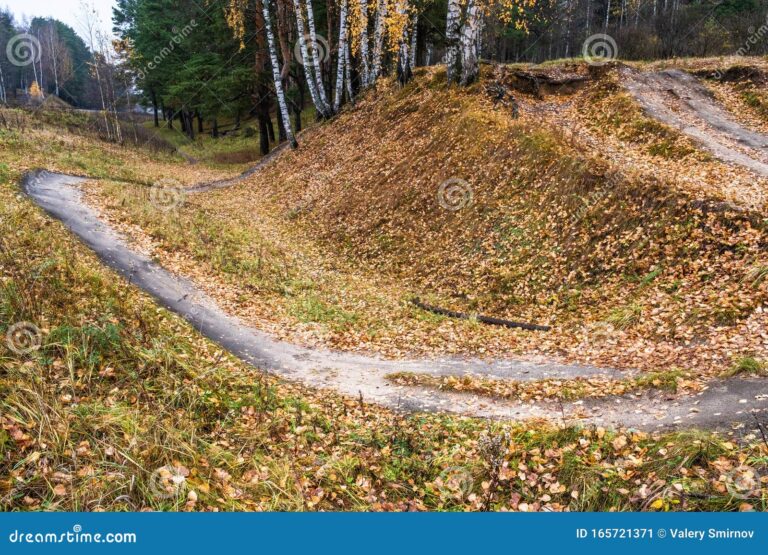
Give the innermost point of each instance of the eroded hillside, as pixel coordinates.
(635, 243)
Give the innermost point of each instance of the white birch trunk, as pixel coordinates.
(42, 83)
(301, 32)
(276, 76)
(469, 37)
(452, 40)
(348, 74)
(414, 38)
(403, 56)
(54, 55)
(366, 70)
(315, 58)
(342, 57)
(378, 41)
(3, 97)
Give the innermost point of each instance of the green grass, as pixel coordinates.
(309, 308)
(625, 317)
(756, 100)
(748, 365)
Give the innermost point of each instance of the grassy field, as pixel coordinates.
(113, 403)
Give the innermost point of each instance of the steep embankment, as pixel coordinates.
(557, 217)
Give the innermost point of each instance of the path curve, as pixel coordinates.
(678, 99)
(721, 404)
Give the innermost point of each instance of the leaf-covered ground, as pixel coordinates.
(125, 407)
(584, 215)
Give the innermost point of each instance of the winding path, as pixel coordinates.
(677, 98)
(721, 404)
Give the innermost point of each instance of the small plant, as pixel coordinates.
(748, 365)
(755, 276)
(625, 317)
(667, 380)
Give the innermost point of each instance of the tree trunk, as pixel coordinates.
(154, 108)
(215, 128)
(200, 127)
(348, 73)
(414, 40)
(263, 134)
(314, 53)
(283, 32)
(3, 97)
(404, 73)
(364, 77)
(378, 41)
(452, 40)
(342, 56)
(322, 111)
(470, 33)
(298, 107)
(281, 136)
(283, 108)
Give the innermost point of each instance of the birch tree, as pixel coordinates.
(348, 73)
(452, 40)
(314, 51)
(285, 117)
(342, 57)
(321, 107)
(3, 96)
(378, 41)
(404, 72)
(366, 70)
(470, 36)
(414, 39)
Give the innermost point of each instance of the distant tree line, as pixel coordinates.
(46, 56)
(199, 64)
(641, 29)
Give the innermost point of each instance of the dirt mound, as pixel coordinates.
(478, 211)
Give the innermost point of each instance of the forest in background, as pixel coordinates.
(198, 64)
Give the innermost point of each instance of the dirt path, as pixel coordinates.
(720, 405)
(678, 99)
